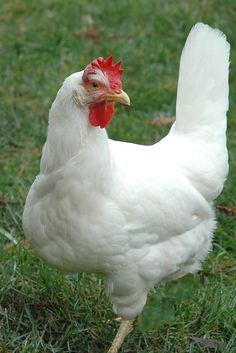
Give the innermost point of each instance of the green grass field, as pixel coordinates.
(42, 42)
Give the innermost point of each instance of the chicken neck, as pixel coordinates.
(71, 135)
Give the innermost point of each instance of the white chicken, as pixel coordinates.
(137, 214)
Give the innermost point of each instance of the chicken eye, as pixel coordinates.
(94, 85)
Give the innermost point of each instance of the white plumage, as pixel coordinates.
(137, 214)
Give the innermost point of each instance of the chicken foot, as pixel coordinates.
(126, 326)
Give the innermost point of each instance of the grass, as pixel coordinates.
(42, 42)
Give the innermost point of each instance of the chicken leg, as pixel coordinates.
(126, 326)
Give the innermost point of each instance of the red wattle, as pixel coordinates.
(101, 114)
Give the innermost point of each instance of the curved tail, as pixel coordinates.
(202, 97)
(198, 135)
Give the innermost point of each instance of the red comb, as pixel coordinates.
(112, 71)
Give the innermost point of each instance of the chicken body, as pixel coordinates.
(137, 214)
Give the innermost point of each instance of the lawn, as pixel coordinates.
(42, 42)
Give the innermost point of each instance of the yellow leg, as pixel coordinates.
(126, 326)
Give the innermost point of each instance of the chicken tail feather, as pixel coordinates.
(202, 97)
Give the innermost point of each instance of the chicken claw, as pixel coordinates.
(125, 328)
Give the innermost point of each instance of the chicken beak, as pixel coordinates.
(120, 97)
